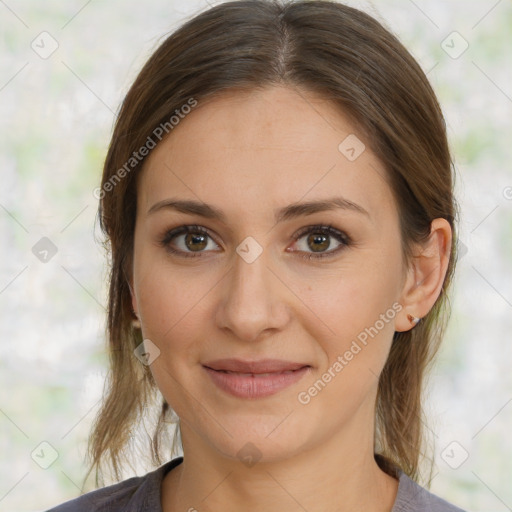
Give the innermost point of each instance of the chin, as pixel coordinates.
(264, 439)
(259, 450)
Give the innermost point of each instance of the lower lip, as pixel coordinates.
(255, 386)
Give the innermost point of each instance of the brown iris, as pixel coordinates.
(315, 239)
(194, 239)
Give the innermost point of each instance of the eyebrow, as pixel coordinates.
(288, 212)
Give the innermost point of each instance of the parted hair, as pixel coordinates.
(355, 62)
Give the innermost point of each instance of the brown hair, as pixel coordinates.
(348, 58)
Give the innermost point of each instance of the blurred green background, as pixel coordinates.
(57, 112)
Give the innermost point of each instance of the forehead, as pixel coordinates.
(261, 149)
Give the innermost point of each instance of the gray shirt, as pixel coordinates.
(143, 493)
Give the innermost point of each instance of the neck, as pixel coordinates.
(335, 477)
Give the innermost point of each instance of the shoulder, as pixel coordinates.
(412, 497)
(134, 494)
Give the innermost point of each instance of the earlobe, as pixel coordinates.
(413, 319)
(425, 276)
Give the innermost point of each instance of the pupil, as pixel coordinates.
(318, 239)
(196, 239)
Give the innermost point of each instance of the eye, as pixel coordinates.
(188, 239)
(319, 239)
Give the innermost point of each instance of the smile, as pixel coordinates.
(252, 380)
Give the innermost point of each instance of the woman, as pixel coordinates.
(278, 200)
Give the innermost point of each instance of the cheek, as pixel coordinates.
(172, 306)
(172, 303)
(358, 305)
(362, 318)
(355, 296)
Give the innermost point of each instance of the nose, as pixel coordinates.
(253, 301)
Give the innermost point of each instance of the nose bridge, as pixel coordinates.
(251, 303)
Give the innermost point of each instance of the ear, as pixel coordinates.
(425, 275)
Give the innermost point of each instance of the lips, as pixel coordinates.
(254, 379)
(254, 367)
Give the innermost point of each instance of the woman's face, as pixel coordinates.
(260, 282)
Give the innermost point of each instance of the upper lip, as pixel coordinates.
(261, 366)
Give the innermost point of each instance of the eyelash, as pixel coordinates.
(340, 236)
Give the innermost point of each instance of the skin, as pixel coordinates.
(248, 153)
